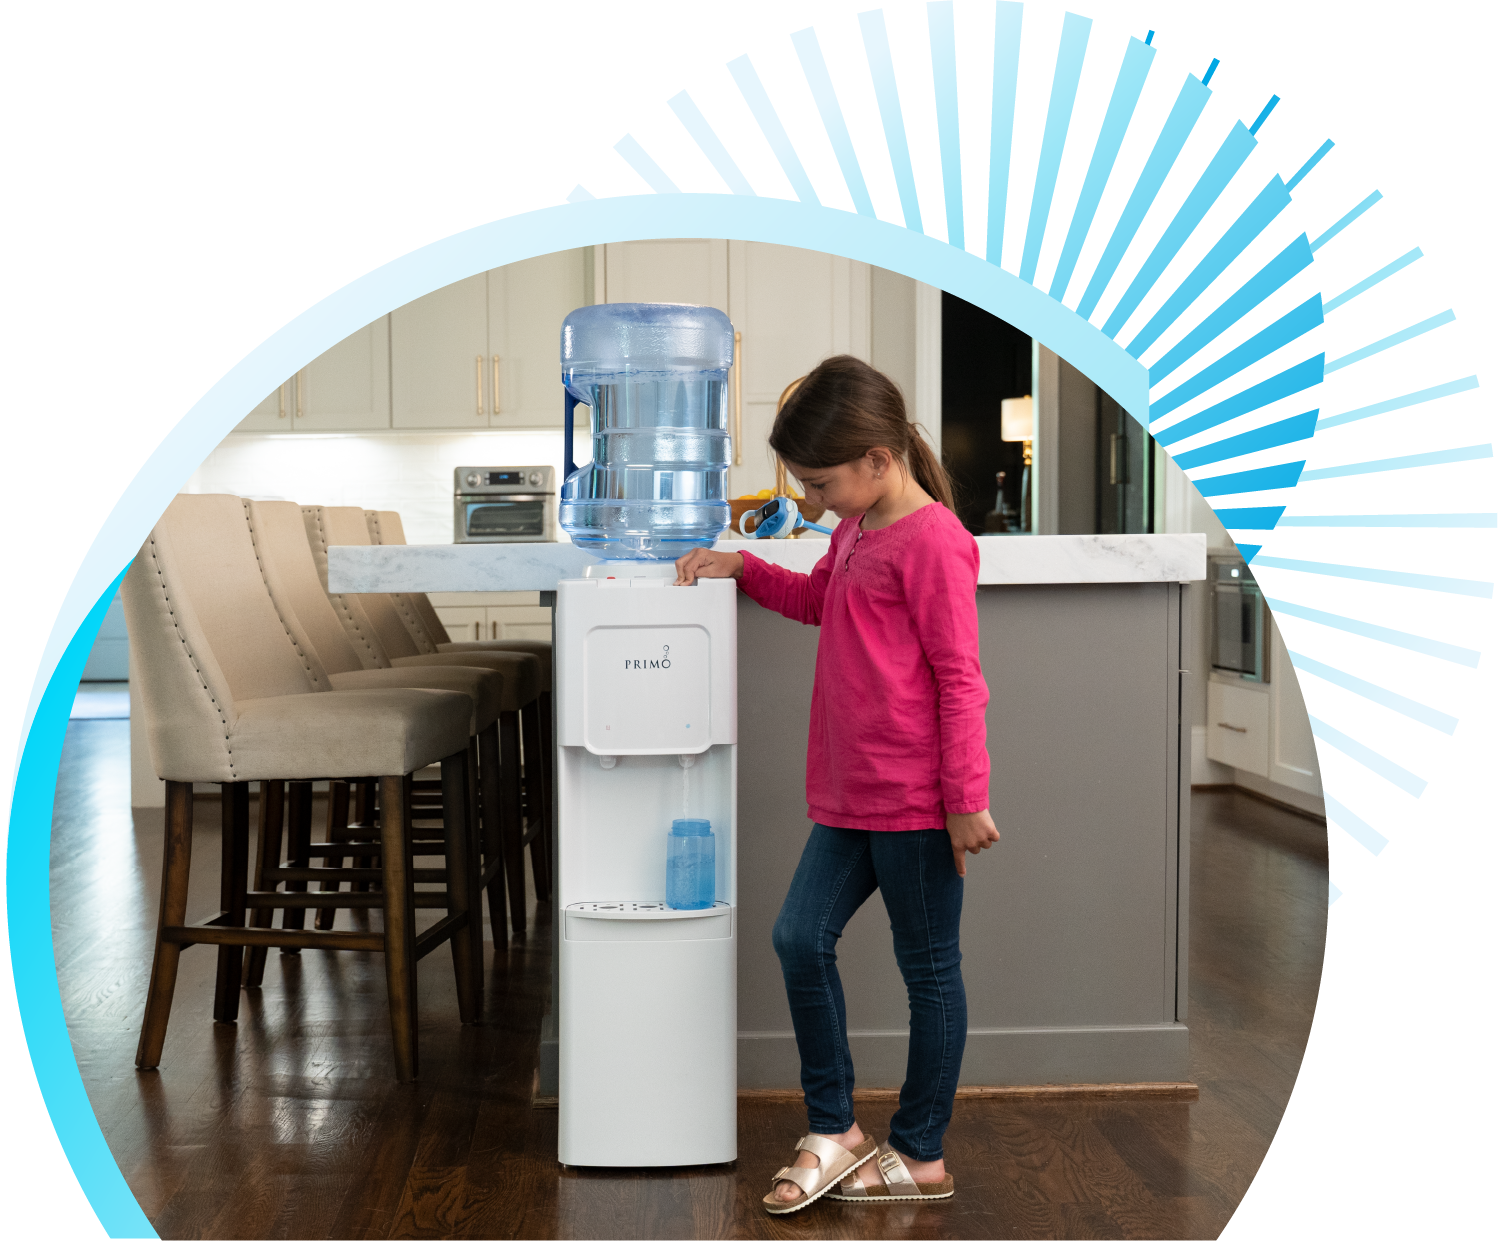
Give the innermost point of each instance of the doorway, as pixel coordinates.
(985, 361)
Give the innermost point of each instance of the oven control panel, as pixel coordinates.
(502, 480)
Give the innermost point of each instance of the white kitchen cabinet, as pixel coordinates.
(693, 270)
(1263, 728)
(484, 352)
(1237, 733)
(463, 624)
(346, 388)
(269, 415)
(487, 617)
(782, 338)
(530, 623)
(440, 351)
(527, 304)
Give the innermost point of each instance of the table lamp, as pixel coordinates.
(1017, 426)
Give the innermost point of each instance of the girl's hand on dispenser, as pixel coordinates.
(969, 833)
(701, 562)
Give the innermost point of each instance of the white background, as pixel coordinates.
(182, 180)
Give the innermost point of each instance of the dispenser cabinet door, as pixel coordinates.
(647, 1046)
(646, 690)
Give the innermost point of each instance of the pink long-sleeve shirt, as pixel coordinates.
(896, 738)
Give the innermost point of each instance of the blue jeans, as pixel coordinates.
(914, 871)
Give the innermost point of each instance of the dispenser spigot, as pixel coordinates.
(687, 760)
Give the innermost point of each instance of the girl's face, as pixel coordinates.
(852, 488)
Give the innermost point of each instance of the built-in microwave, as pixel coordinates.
(1242, 635)
(503, 504)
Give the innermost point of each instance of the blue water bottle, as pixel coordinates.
(690, 865)
(656, 379)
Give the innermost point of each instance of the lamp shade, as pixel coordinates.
(1016, 418)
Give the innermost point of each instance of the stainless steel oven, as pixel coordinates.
(1242, 634)
(503, 504)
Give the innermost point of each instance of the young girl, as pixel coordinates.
(898, 774)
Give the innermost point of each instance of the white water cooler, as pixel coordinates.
(646, 711)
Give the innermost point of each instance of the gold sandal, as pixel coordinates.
(896, 1185)
(834, 1163)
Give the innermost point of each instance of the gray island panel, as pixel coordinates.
(1070, 922)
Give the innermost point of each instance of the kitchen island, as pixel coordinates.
(1075, 924)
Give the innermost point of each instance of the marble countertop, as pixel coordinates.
(1018, 560)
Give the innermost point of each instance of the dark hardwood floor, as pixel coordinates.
(289, 1124)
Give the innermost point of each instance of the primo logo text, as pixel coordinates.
(664, 662)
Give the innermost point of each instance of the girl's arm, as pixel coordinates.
(797, 596)
(940, 588)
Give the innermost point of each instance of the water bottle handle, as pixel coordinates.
(569, 401)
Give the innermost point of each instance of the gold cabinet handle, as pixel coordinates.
(494, 629)
(479, 385)
(281, 401)
(735, 435)
(495, 383)
(476, 630)
(1231, 727)
(299, 394)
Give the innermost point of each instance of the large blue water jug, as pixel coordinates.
(690, 865)
(656, 379)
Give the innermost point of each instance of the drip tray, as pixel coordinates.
(622, 921)
(640, 909)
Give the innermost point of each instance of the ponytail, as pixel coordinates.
(843, 408)
(928, 469)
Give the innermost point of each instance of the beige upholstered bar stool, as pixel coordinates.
(233, 694)
(385, 527)
(379, 630)
(286, 562)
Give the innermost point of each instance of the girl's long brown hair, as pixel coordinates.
(843, 408)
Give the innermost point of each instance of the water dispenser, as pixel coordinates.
(645, 693)
(646, 990)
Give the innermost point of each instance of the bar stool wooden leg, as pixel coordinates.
(364, 815)
(234, 800)
(476, 838)
(336, 830)
(463, 888)
(362, 802)
(268, 831)
(536, 798)
(177, 854)
(493, 829)
(400, 928)
(512, 827)
(472, 784)
(299, 836)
